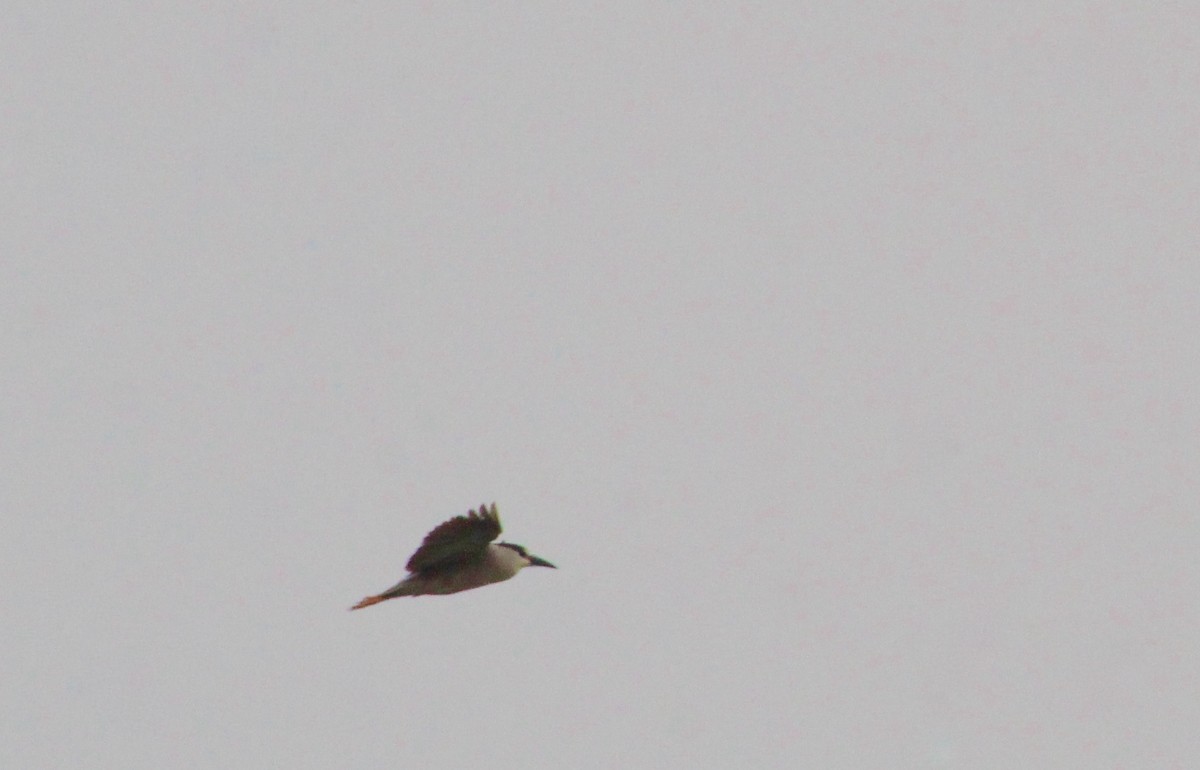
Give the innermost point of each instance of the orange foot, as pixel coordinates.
(368, 602)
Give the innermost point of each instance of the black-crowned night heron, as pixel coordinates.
(457, 555)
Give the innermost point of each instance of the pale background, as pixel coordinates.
(844, 360)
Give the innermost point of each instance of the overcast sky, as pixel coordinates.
(845, 362)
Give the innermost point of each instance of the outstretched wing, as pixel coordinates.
(460, 539)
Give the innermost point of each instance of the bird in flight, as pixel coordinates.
(459, 555)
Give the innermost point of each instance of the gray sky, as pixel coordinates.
(845, 362)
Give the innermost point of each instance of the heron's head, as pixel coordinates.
(529, 559)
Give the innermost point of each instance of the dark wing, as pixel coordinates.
(463, 538)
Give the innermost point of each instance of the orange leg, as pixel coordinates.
(369, 601)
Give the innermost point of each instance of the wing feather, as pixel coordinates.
(460, 539)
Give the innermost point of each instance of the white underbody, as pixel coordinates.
(498, 564)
